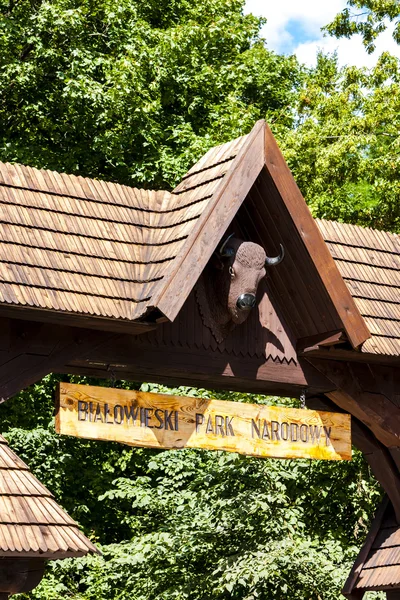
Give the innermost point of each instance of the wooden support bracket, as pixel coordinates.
(372, 408)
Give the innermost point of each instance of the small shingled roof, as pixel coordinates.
(378, 564)
(369, 262)
(32, 524)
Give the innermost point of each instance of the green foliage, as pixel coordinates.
(369, 20)
(133, 91)
(193, 524)
(136, 92)
(345, 149)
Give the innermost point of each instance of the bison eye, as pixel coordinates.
(231, 272)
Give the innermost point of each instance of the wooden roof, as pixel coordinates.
(31, 522)
(106, 253)
(378, 564)
(89, 247)
(369, 262)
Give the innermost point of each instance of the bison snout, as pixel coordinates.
(246, 301)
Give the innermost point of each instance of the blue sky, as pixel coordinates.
(294, 26)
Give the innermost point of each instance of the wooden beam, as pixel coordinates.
(373, 409)
(347, 310)
(19, 575)
(64, 319)
(314, 342)
(210, 227)
(22, 367)
(214, 369)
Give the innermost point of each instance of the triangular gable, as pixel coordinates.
(86, 252)
(277, 203)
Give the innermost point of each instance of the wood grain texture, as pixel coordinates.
(264, 333)
(353, 323)
(377, 455)
(361, 393)
(295, 283)
(31, 522)
(163, 421)
(87, 248)
(369, 261)
(211, 226)
(351, 581)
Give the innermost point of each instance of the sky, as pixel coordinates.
(294, 27)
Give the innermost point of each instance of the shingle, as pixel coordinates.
(32, 524)
(369, 261)
(89, 247)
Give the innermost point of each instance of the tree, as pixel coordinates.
(369, 23)
(193, 524)
(131, 91)
(345, 148)
(135, 92)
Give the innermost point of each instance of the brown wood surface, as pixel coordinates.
(353, 323)
(357, 394)
(164, 421)
(212, 369)
(306, 303)
(209, 229)
(369, 262)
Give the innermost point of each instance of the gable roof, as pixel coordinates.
(31, 522)
(369, 262)
(377, 566)
(86, 248)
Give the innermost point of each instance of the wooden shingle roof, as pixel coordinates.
(369, 262)
(100, 252)
(378, 564)
(31, 522)
(96, 248)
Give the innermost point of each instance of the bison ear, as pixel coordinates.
(216, 262)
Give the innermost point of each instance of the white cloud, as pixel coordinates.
(350, 52)
(307, 39)
(312, 14)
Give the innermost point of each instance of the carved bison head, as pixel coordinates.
(228, 289)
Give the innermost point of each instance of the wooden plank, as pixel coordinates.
(14, 214)
(164, 421)
(373, 409)
(353, 323)
(28, 313)
(104, 211)
(26, 369)
(210, 227)
(310, 343)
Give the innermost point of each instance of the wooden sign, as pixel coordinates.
(163, 421)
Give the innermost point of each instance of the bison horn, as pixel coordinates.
(226, 252)
(270, 262)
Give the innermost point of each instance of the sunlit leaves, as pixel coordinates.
(133, 91)
(195, 524)
(345, 150)
(367, 18)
